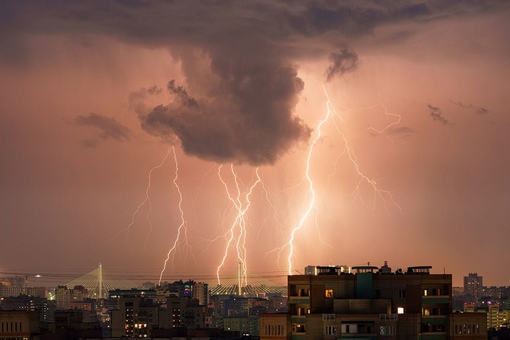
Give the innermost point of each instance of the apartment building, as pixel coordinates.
(368, 302)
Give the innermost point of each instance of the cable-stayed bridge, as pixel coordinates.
(99, 284)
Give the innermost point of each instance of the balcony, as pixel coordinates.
(435, 299)
(299, 299)
(388, 317)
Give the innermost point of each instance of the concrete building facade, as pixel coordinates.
(371, 304)
(19, 324)
(135, 317)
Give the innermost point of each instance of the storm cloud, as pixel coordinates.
(239, 106)
(105, 128)
(341, 62)
(437, 114)
(245, 121)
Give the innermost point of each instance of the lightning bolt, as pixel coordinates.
(382, 194)
(146, 200)
(236, 235)
(182, 229)
(311, 191)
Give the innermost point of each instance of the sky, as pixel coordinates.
(176, 139)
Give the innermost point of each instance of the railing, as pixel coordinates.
(388, 317)
(327, 317)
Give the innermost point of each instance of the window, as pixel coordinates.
(401, 293)
(329, 293)
(387, 330)
(400, 310)
(298, 328)
(327, 317)
(349, 328)
(329, 330)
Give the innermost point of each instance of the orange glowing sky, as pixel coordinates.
(418, 90)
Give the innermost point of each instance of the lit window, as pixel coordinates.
(329, 293)
(400, 310)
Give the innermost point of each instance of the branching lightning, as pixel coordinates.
(146, 200)
(239, 197)
(311, 203)
(237, 233)
(182, 229)
(397, 118)
(361, 177)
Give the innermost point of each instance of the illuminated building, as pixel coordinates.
(245, 325)
(29, 303)
(493, 319)
(182, 311)
(63, 297)
(201, 293)
(315, 270)
(79, 293)
(8, 290)
(371, 303)
(135, 317)
(473, 285)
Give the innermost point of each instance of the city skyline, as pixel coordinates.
(122, 126)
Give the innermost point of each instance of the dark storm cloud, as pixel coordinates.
(202, 23)
(437, 114)
(341, 62)
(182, 95)
(240, 106)
(105, 127)
(255, 125)
(352, 18)
(154, 90)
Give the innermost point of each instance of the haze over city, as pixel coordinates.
(411, 166)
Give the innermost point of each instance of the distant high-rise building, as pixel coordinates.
(79, 293)
(135, 317)
(493, 318)
(473, 285)
(62, 297)
(201, 293)
(28, 303)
